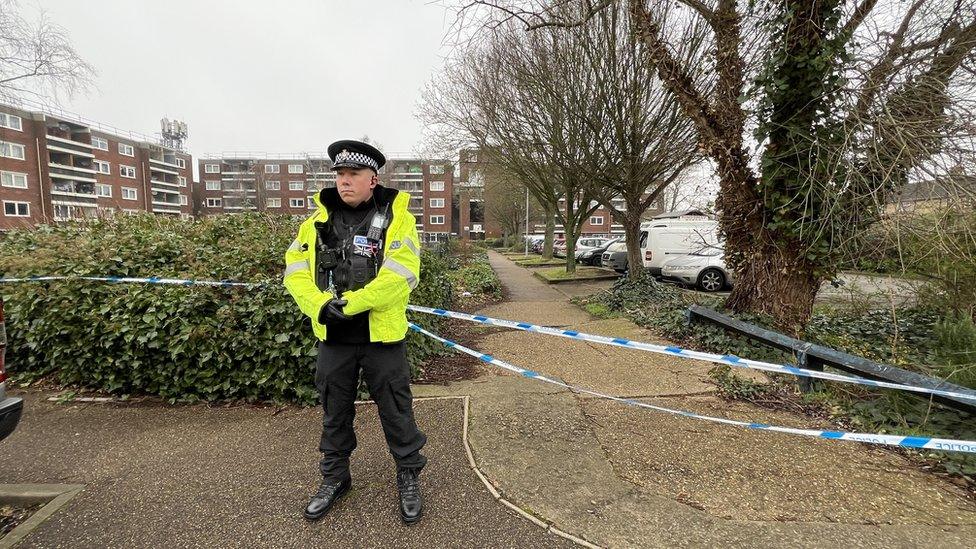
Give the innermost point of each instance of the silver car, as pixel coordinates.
(705, 271)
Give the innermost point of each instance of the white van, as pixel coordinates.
(676, 234)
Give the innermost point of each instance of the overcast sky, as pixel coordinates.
(257, 75)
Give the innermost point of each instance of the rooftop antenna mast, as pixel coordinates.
(174, 133)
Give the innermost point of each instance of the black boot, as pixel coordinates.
(328, 493)
(411, 504)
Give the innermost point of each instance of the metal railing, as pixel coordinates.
(814, 357)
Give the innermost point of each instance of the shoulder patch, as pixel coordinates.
(395, 244)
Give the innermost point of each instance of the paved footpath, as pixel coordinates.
(625, 477)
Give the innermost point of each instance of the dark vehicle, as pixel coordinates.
(594, 256)
(615, 257)
(10, 407)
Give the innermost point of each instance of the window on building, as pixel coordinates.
(311, 203)
(11, 121)
(437, 185)
(103, 190)
(184, 200)
(436, 202)
(13, 180)
(296, 185)
(437, 220)
(272, 168)
(296, 202)
(12, 150)
(211, 168)
(16, 209)
(274, 202)
(130, 193)
(596, 220)
(103, 167)
(180, 162)
(436, 169)
(272, 185)
(213, 202)
(296, 168)
(182, 180)
(127, 171)
(100, 143)
(127, 150)
(213, 185)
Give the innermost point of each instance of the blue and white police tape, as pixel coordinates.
(729, 360)
(127, 279)
(941, 444)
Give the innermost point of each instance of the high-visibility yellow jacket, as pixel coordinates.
(386, 296)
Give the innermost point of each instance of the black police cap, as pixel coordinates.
(350, 153)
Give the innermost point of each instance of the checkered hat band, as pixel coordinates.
(356, 158)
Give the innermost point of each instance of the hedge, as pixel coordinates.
(181, 343)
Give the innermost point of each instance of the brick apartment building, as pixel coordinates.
(58, 167)
(285, 183)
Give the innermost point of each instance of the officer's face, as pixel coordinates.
(355, 184)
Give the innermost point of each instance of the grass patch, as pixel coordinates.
(539, 262)
(559, 274)
(600, 310)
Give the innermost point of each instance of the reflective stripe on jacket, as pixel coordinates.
(385, 297)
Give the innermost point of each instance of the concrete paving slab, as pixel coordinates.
(197, 476)
(620, 476)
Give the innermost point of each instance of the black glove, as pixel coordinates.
(331, 312)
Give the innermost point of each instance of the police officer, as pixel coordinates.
(351, 270)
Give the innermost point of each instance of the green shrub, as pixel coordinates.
(956, 349)
(181, 343)
(908, 338)
(476, 277)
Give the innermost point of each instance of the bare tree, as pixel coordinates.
(644, 141)
(504, 196)
(579, 113)
(847, 101)
(37, 60)
(484, 98)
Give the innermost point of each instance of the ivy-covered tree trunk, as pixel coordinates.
(776, 280)
(782, 258)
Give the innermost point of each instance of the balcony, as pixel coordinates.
(82, 189)
(155, 168)
(69, 145)
(167, 161)
(160, 200)
(168, 192)
(236, 186)
(62, 171)
(155, 182)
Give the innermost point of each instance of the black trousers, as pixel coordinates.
(387, 375)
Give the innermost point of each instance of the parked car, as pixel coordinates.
(559, 247)
(705, 271)
(10, 407)
(675, 234)
(615, 257)
(593, 256)
(535, 242)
